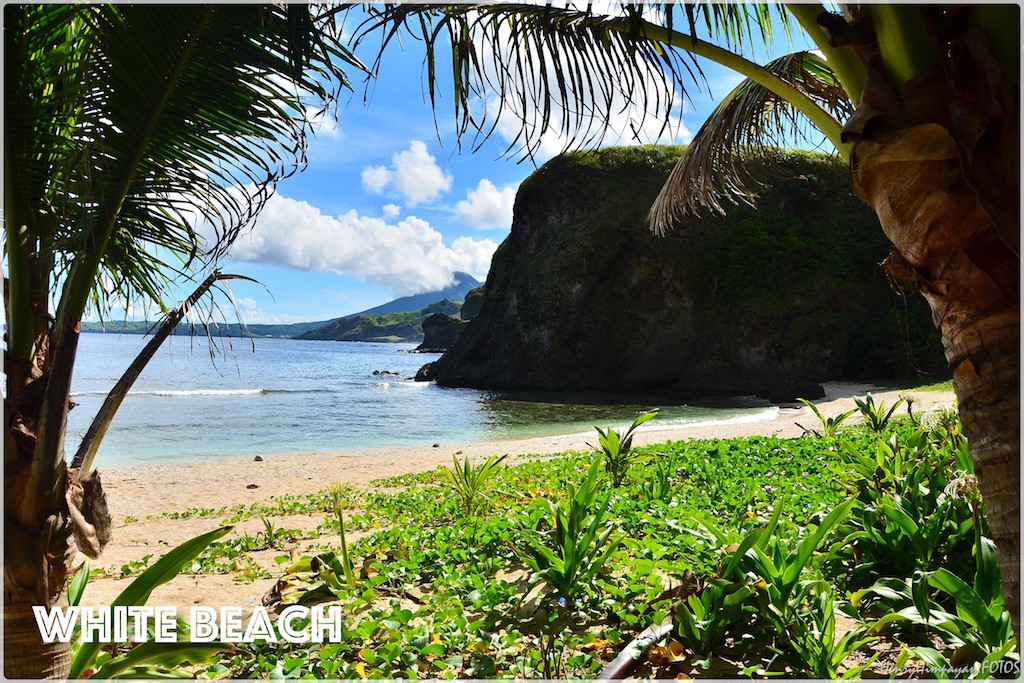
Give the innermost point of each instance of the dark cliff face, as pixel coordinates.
(581, 296)
(440, 332)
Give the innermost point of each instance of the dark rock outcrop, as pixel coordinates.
(439, 333)
(581, 296)
(425, 373)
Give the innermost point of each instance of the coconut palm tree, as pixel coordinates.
(126, 129)
(923, 101)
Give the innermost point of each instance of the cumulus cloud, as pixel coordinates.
(414, 174)
(391, 210)
(249, 312)
(404, 257)
(376, 179)
(487, 206)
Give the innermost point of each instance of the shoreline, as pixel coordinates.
(142, 490)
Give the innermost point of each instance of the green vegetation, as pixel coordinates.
(338, 498)
(923, 383)
(217, 329)
(469, 481)
(473, 304)
(831, 556)
(876, 417)
(829, 425)
(581, 542)
(617, 449)
(403, 326)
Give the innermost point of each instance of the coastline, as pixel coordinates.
(143, 493)
(152, 489)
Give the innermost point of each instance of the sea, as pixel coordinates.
(198, 400)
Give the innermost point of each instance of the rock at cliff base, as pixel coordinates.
(791, 393)
(425, 374)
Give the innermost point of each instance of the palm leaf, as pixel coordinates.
(742, 133)
(129, 126)
(90, 444)
(551, 70)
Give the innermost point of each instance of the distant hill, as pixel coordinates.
(399, 326)
(456, 292)
(216, 329)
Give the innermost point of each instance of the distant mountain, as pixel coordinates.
(411, 304)
(456, 292)
(399, 326)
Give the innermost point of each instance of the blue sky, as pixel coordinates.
(387, 208)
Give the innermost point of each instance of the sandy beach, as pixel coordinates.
(147, 491)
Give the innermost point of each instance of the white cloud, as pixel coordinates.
(413, 173)
(250, 313)
(375, 179)
(391, 210)
(487, 206)
(404, 257)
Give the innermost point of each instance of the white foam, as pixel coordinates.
(764, 415)
(183, 392)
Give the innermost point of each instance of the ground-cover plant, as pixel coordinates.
(657, 486)
(876, 417)
(469, 481)
(444, 595)
(617, 449)
(781, 571)
(566, 542)
(829, 425)
(814, 644)
(976, 619)
(703, 619)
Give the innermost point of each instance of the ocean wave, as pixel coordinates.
(206, 392)
(769, 413)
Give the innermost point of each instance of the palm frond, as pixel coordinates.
(743, 130)
(128, 126)
(551, 70)
(148, 120)
(737, 23)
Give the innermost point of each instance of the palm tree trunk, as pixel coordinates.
(950, 248)
(25, 653)
(37, 562)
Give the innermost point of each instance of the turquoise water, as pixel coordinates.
(291, 396)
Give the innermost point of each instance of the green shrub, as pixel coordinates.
(617, 449)
(580, 541)
(469, 481)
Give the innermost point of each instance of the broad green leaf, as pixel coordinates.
(78, 584)
(139, 590)
(165, 655)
